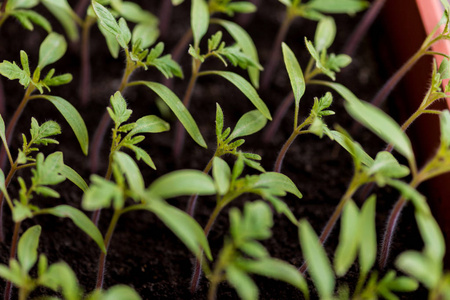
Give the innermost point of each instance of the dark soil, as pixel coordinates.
(144, 254)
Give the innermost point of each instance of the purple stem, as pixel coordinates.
(165, 16)
(279, 115)
(81, 7)
(2, 99)
(85, 84)
(12, 255)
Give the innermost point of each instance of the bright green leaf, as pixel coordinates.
(100, 194)
(199, 20)
(319, 266)
(13, 71)
(445, 128)
(421, 267)
(27, 248)
(278, 181)
(178, 109)
(61, 277)
(120, 292)
(183, 182)
(251, 122)
(150, 124)
(325, 33)
(52, 49)
(148, 33)
(432, 236)
(64, 13)
(106, 19)
(340, 7)
(80, 220)
(222, 175)
(131, 170)
(246, 88)
(73, 117)
(73, 176)
(368, 236)
(352, 147)
(243, 284)
(295, 74)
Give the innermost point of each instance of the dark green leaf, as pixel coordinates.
(72, 117)
(80, 220)
(183, 225)
(246, 88)
(27, 248)
(318, 264)
(251, 122)
(73, 176)
(183, 182)
(178, 109)
(199, 20)
(52, 49)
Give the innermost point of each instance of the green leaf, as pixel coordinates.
(40, 134)
(76, 122)
(13, 274)
(242, 283)
(278, 181)
(445, 128)
(386, 165)
(131, 171)
(403, 284)
(348, 239)
(119, 113)
(276, 269)
(150, 124)
(219, 122)
(2, 182)
(325, 33)
(100, 194)
(182, 225)
(111, 41)
(52, 49)
(120, 292)
(253, 249)
(21, 211)
(368, 236)
(28, 17)
(178, 109)
(147, 32)
(421, 267)
(246, 88)
(64, 13)
(73, 176)
(12, 71)
(60, 276)
(199, 20)
(410, 193)
(142, 154)
(352, 147)
(222, 175)
(382, 125)
(80, 220)
(14, 4)
(106, 19)
(2, 133)
(133, 12)
(48, 171)
(295, 74)
(341, 7)
(444, 69)
(251, 122)
(342, 90)
(245, 42)
(318, 264)
(125, 34)
(27, 248)
(182, 182)
(432, 236)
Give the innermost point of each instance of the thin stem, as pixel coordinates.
(270, 66)
(284, 149)
(165, 16)
(217, 276)
(12, 255)
(107, 240)
(180, 133)
(279, 114)
(2, 99)
(192, 203)
(85, 86)
(362, 28)
(81, 7)
(354, 185)
(13, 122)
(198, 263)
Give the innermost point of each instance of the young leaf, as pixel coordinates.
(341, 7)
(432, 236)
(295, 74)
(445, 128)
(13, 71)
(64, 13)
(60, 276)
(222, 175)
(28, 17)
(318, 264)
(120, 292)
(27, 248)
(244, 285)
(40, 134)
(382, 125)
(247, 45)
(276, 269)
(119, 113)
(73, 176)
(219, 121)
(348, 239)
(182, 182)
(150, 124)
(101, 193)
(133, 12)
(178, 109)
(421, 267)
(131, 170)
(367, 232)
(325, 33)
(277, 181)
(352, 147)
(106, 19)
(141, 154)
(80, 220)
(146, 32)
(72, 117)
(199, 20)
(2, 132)
(52, 49)
(251, 122)
(14, 4)
(246, 88)
(386, 165)
(48, 171)
(183, 225)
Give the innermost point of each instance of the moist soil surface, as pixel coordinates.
(143, 253)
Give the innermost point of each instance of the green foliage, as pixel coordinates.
(243, 254)
(22, 11)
